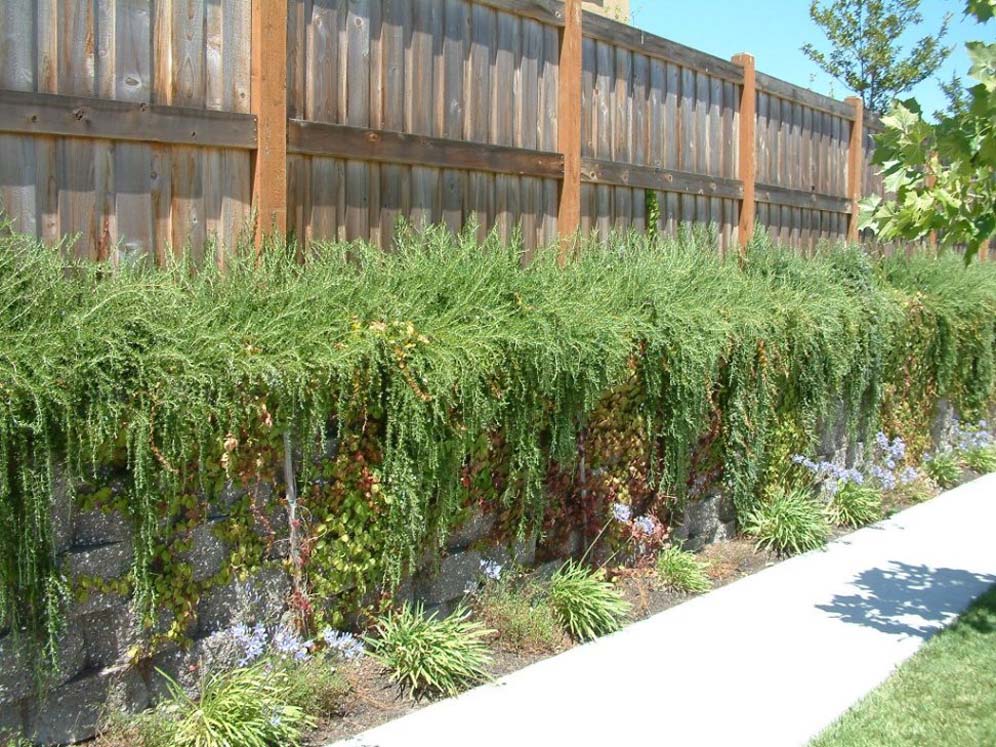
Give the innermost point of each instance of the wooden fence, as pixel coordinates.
(142, 125)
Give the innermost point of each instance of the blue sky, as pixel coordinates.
(774, 30)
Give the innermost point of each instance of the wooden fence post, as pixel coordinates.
(855, 164)
(269, 104)
(569, 127)
(748, 148)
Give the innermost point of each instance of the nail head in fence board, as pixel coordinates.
(748, 155)
(854, 162)
(546, 11)
(569, 126)
(84, 117)
(269, 104)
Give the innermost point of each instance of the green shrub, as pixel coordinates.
(413, 362)
(854, 505)
(588, 606)
(982, 459)
(246, 707)
(789, 523)
(678, 570)
(944, 468)
(430, 656)
(522, 615)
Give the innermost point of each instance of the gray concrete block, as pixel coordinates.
(72, 712)
(107, 561)
(18, 678)
(455, 574)
(942, 423)
(12, 720)
(476, 527)
(99, 527)
(16, 674)
(523, 551)
(705, 521)
(261, 598)
(188, 666)
(108, 635)
(207, 554)
(62, 509)
(230, 495)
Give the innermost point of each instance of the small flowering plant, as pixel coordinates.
(643, 535)
(284, 644)
(344, 645)
(832, 476)
(972, 445)
(976, 445)
(491, 569)
(885, 468)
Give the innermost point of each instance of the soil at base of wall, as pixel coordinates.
(375, 700)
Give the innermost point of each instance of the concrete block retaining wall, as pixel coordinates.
(96, 665)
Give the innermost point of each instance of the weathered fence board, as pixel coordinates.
(136, 126)
(113, 168)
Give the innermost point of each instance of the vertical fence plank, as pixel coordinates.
(269, 104)
(748, 155)
(854, 163)
(569, 127)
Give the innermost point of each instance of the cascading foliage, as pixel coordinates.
(431, 350)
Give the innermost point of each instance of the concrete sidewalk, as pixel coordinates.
(769, 660)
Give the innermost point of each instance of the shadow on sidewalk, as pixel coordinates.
(912, 600)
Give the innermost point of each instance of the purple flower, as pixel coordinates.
(288, 643)
(621, 512)
(251, 640)
(346, 645)
(491, 569)
(646, 524)
(909, 475)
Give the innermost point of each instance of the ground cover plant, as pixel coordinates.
(521, 614)
(945, 695)
(401, 387)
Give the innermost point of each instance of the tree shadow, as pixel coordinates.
(910, 600)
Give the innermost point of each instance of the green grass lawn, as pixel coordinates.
(945, 696)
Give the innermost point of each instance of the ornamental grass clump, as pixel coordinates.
(431, 656)
(855, 505)
(678, 570)
(944, 468)
(587, 604)
(247, 707)
(981, 459)
(789, 523)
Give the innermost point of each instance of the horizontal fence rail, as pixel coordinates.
(145, 126)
